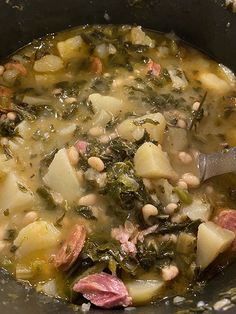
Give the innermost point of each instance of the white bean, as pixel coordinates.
(2, 69)
(96, 163)
(191, 180)
(149, 210)
(196, 105)
(181, 124)
(88, 200)
(73, 155)
(30, 217)
(169, 272)
(11, 116)
(185, 158)
(170, 208)
(182, 184)
(70, 100)
(96, 131)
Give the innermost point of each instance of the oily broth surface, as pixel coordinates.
(124, 77)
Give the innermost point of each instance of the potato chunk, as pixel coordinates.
(138, 37)
(38, 235)
(14, 195)
(143, 291)
(48, 63)
(133, 129)
(70, 47)
(61, 177)
(211, 241)
(151, 162)
(110, 104)
(214, 83)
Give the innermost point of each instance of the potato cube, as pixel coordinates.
(14, 195)
(151, 162)
(61, 177)
(131, 130)
(211, 241)
(110, 104)
(39, 235)
(144, 291)
(48, 63)
(70, 47)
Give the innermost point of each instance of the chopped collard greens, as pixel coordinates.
(100, 198)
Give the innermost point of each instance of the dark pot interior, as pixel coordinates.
(206, 24)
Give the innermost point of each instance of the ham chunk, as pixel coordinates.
(81, 147)
(96, 65)
(70, 249)
(153, 68)
(104, 290)
(5, 91)
(16, 66)
(227, 219)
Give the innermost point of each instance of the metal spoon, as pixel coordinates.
(211, 165)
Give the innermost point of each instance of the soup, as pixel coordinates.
(100, 197)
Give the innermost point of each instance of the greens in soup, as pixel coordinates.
(100, 200)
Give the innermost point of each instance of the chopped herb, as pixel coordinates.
(22, 188)
(85, 212)
(198, 114)
(6, 212)
(139, 122)
(10, 235)
(46, 195)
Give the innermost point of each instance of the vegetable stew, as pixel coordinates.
(100, 199)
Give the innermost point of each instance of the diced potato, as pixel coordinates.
(165, 191)
(48, 63)
(110, 104)
(14, 195)
(211, 241)
(151, 162)
(131, 132)
(69, 47)
(144, 291)
(198, 209)
(178, 79)
(213, 82)
(138, 37)
(101, 118)
(61, 177)
(39, 235)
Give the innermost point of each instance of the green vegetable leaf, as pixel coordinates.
(85, 212)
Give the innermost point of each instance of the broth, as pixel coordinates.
(100, 130)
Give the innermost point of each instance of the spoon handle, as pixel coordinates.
(211, 165)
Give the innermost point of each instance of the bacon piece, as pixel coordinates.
(104, 290)
(153, 68)
(71, 248)
(5, 91)
(96, 65)
(16, 66)
(227, 219)
(81, 147)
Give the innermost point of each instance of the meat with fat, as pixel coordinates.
(104, 290)
(71, 248)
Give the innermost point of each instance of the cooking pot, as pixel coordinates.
(206, 24)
